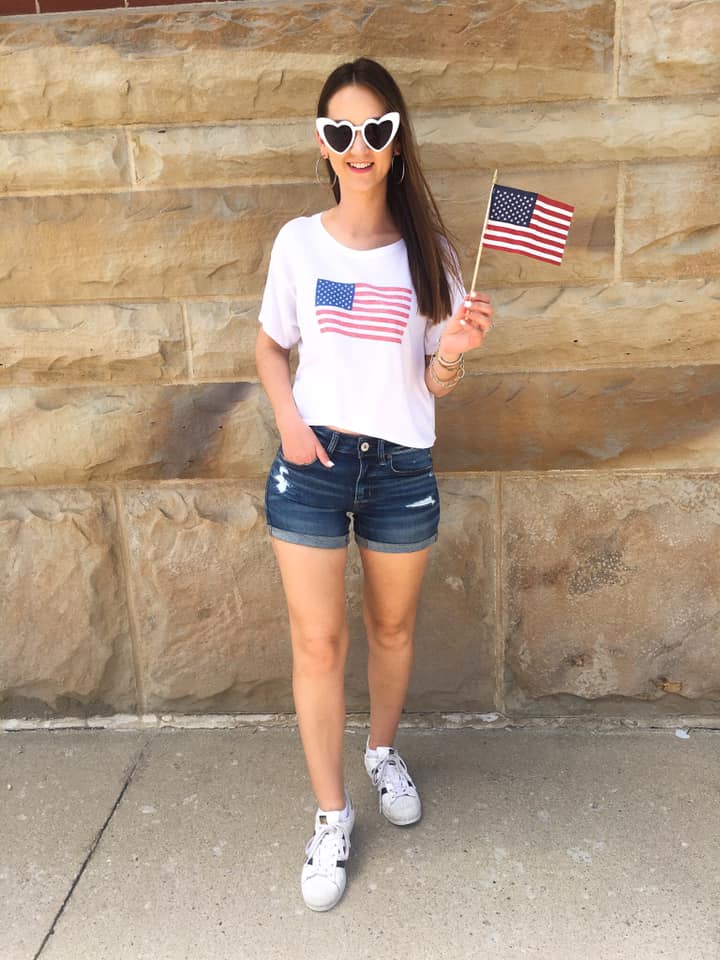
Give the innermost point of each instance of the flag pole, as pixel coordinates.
(482, 235)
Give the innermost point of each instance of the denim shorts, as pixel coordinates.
(388, 490)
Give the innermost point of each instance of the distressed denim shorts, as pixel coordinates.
(388, 490)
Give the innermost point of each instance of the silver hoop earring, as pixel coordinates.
(317, 174)
(402, 175)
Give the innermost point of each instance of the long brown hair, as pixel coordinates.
(431, 255)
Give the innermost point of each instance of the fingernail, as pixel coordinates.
(462, 323)
(329, 464)
(468, 304)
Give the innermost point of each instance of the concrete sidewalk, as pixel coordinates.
(187, 845)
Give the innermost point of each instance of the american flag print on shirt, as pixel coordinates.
(527, 223)
(362, 310)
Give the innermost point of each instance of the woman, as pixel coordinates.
(370, 291)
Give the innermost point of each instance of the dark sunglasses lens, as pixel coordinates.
(378, 133)
(337, 138)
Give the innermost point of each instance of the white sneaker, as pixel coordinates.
(399, 800)
(323, 874)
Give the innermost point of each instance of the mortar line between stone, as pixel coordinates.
(132, 170)
(617, 48)
(619, 223)
(94, 845)
(188, 343)
(499, 619)
(130, 597)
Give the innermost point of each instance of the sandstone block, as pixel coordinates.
(240, 153)
(669, 49)
(209, 603)
(672, 220)
(63, 161)
(253, 60)
(568, 328)
(610, 587)
(145, 244)
(463, 198)
(223, 338)
(581, 132)
(64, 640)
(97, 343)
(51, 435)
(659, 418)
(455, 631)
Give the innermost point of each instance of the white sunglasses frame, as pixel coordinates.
(393, 116)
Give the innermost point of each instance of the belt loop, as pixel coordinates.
(333, 443)
(381, 450)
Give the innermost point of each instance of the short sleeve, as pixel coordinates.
(434, 331)
(278, 311)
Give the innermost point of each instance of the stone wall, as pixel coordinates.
(147, 158)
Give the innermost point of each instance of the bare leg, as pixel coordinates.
(314, 583)
(392, 589)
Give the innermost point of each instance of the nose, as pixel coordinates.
(358, 139)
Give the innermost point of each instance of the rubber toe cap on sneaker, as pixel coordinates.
(403, 810)
(320, 893)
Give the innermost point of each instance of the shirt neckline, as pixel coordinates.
(371, 251)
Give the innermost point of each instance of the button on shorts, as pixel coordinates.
(388, 491)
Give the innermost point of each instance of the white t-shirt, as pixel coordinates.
(361, 341)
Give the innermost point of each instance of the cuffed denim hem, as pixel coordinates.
(395, 547)
(308, 540)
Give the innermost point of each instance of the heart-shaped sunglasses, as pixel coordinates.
(339, 135)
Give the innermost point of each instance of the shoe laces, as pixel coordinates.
(392, 772)
(328, 848)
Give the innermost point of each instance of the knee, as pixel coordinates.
(319, 654)
(390, 635)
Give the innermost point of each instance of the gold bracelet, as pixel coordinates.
(455, 365)
(452, 382)
(449, 364)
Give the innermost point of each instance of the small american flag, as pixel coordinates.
(362, 310)
(527, 223)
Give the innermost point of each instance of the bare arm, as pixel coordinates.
(299, 443)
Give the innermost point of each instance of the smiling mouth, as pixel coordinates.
(361, 166)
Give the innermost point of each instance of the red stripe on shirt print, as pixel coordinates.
(362, 310)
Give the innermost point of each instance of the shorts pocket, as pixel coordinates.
(410, 461)
(295, 466)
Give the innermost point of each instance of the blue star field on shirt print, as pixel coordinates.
(362, 310)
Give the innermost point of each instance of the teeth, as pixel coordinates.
(361, 166)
